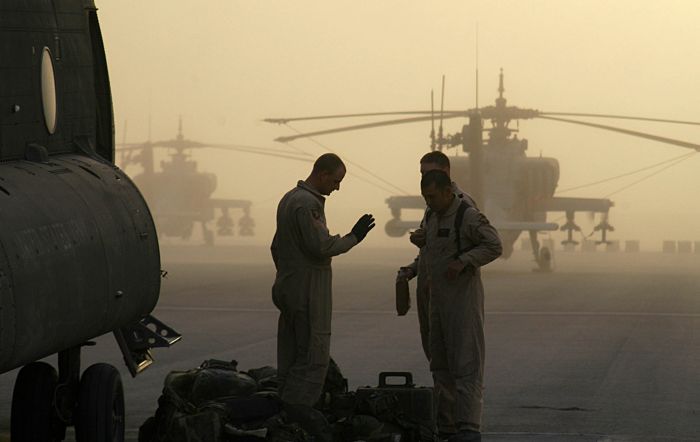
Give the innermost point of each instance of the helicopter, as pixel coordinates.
(79, 254)
(179, 195)
(514, 190)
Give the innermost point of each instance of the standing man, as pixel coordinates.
(438, 160)
(302, 249)
(435, 160)
(458, 241)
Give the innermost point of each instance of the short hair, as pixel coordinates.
(438, 177)
(328, 162)
(436, 157)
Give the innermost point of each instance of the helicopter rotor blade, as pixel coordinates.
(178, 144)
(330, 117)
(122, 147)
(628, 132)
(230, 147)
(455, 114)
(271, 154)
(262, 150)
(620, 117)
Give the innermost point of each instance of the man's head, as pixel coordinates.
(327, 173)
(436, 188)
(435, 160)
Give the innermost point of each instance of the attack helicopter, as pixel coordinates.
(514, 190)
(180, 196)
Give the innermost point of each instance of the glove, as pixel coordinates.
(362, 226)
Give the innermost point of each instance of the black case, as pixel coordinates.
(410, 404)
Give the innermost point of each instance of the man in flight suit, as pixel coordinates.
(434, 160)
(302, 249)
(454, 251)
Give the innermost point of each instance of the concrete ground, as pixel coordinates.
(605, 348)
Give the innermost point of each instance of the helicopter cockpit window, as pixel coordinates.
(48, 90)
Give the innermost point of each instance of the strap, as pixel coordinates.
(463, 206)
(428, 213)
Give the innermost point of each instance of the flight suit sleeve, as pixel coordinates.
(273, 250)
(414, 265)
(477, 229)
(317, 240)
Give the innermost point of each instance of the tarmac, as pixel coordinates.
(605, 348)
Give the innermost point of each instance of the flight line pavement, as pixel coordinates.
(607, 347)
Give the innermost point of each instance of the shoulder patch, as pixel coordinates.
(482, 218)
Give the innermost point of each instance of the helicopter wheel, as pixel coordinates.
(544, 260)
(33, 416)
(245, 225)
(393, 228)
(208, 236)
(100, 413)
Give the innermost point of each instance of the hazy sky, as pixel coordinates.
(224, 65)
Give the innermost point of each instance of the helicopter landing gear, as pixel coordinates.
(246, 224)
(224, 225)
(570, 228)
(45, 403)
(208, 235)
(543, 255)
(604, 227)
(100, 413)
(395, 228)
(33, 416)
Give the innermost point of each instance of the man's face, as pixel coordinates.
(330, 181)
(438, 200)
(427, 167)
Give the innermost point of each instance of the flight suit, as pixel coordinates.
(457, 314)
(302, 249)
(422, 292)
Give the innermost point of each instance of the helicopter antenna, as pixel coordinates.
(149, 128)
(442, 108)
(179, 128)
(501, 89)
(477, 66)
(432, 122)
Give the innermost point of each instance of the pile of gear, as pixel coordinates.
(218, 403)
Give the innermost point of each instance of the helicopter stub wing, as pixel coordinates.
(399, 227)
(230, 204)
(520, 226)
(566, 204)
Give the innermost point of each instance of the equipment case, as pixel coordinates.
(403, 402)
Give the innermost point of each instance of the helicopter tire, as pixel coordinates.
(208, 237)
(392, 229)
(32, 416)
(100, 412)
(545, 260)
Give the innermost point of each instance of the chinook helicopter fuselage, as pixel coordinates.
(79, 253)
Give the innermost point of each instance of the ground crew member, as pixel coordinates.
(434, 160)
(302, 249)
(454, 251)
